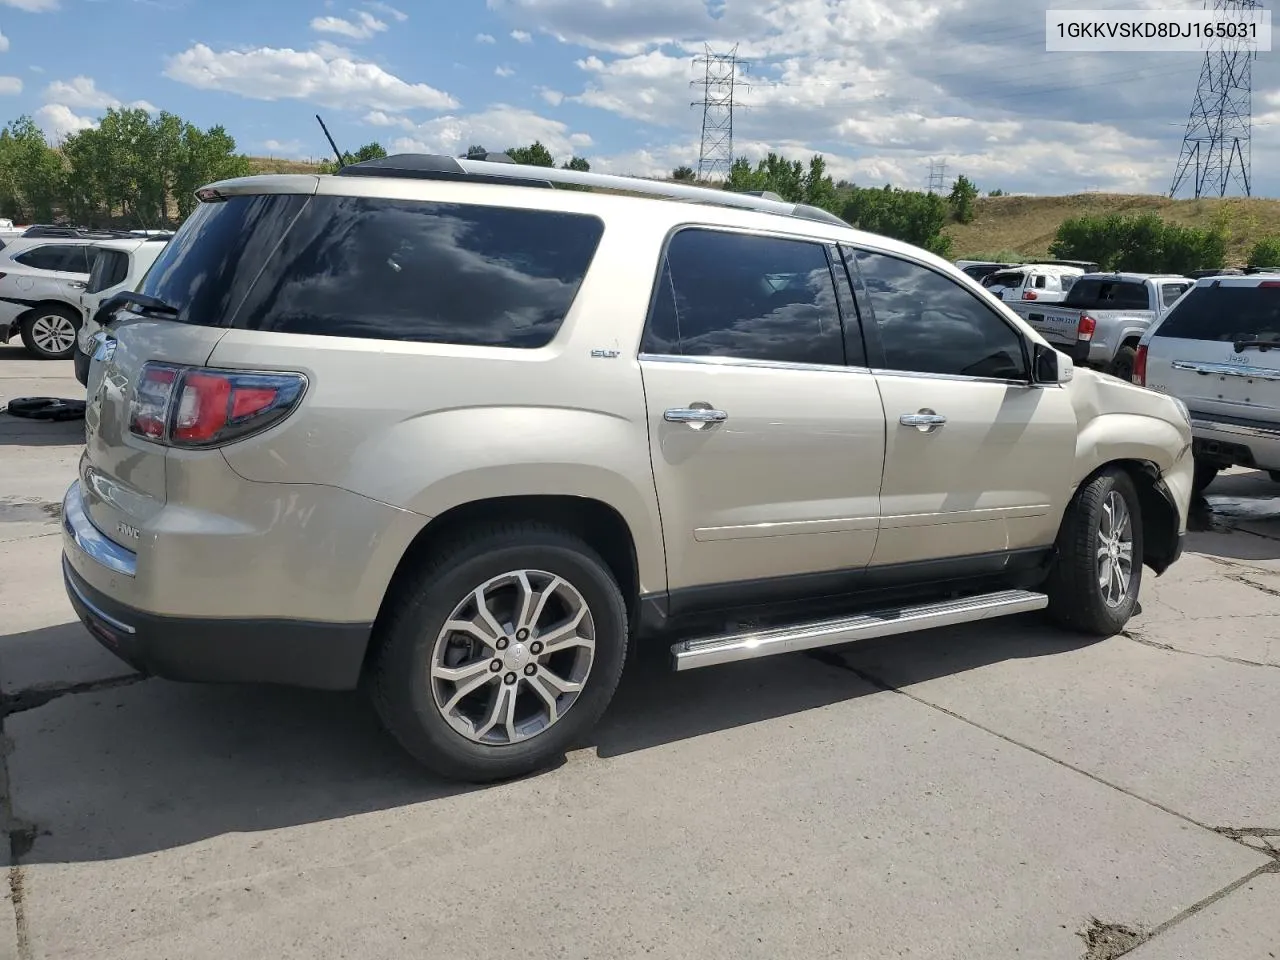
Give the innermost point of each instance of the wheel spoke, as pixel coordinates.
(486, 615)
(466, 689)
(539, 605)
(1126, 551)
(548, 695)
(472, 630)
(529, 598)
(1121, 582)
(557, 683)
(461, 674)
(566, 636)
(502, 712)
(1104, 572)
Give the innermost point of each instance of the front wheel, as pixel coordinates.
(501, 653)
(1096, 577)
(50, 332)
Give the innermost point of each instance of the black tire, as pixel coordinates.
(1076, 601)
(1122, 364)
(31, 339)
(399, 674)
(1274, 475)
(1205, 473)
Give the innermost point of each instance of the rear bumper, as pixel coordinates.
(299, 653)
(1237, 442)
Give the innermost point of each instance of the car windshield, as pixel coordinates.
(1101, 294)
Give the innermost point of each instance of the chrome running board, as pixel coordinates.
(710, 651)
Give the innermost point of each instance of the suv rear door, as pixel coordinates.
(767, 445)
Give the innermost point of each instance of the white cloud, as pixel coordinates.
(362, 28)
(387, 10)
(32, 6)
(333, 51)
(485, 38)
(9, 86)
(284, 148)
(269, 73)
(521, 36)
(553, 97)
(4, 43)
(503, 72)
(60, 121)
(82, 93)
(499, 127)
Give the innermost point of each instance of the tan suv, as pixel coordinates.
(437, 428)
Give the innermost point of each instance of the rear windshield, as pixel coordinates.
(1108, 295)
(1004, 279)
(1225, 313)
(377, 268)
(110, 267)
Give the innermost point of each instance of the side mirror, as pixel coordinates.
(1050, 366)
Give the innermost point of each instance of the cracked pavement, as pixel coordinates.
(987, 791)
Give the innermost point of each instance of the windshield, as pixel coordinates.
(1091, 294)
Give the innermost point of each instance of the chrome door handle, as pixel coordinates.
(695, 416)
(926, 421)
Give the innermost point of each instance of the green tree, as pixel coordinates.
(819, 188)
(996, 193)
(534, 155)
(907, 215)
(576, 163)
(963, 195)
(1143, 243)
(370, 151)
(32, 174)
(1265, 253)
(684, 174)
(475, 152)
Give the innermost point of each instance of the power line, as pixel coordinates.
(1217, 146)
(719, 84)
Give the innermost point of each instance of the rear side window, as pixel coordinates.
(1226, 314)
(1170, 292)
(746, 297)
(1005, 279)
(110, 267)
(424, 272)
(1108, 295)
(64, 258)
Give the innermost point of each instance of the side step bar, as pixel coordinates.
(710, 651)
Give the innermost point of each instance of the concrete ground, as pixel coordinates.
(995, 791)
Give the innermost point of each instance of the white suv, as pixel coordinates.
(40, 285)
(1218, 350)
(118, 266)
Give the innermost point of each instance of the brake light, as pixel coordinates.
(1086, 328)
(1140, 366)
(1028, 295)
(1264, 285)
(198, 407)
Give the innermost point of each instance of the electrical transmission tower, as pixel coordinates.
(937, 176)
(1216, 148)
(719, 83)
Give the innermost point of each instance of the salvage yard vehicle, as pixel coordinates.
(1218, 350)
(731, 426)
(1103, 318)
(118, 265)
(1033, 282)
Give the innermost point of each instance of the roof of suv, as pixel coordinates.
(1133, 277)
(128, 246)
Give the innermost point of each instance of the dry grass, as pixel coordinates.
(1027, 225)
(262, 165)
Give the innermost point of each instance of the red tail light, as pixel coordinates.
(1140, 366)
(1086, 328)
(1028, 295)
(198, 407)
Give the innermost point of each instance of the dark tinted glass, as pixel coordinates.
(1170, 292)
(1226, 314)
(930, 324)
(109, 268)
(749, 297)
(67, 258)
(426, 272)
(1108, 295)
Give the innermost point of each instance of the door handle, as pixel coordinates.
(696, 417)
(926, 421)
(77, 284)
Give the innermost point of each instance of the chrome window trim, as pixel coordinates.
(91, 541)
(95, 609)
(1240, 371)
(958, 378)
(746, 362)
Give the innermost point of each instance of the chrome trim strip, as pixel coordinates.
(95, 609)
(786, 528)
(743, 362)
(711, 651)
(1236, 429)
(1242, 371)
(954, 377)
(90, 540)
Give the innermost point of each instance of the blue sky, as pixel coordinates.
(880, 87)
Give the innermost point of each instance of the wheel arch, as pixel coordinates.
(1161, 521)
(61, 305)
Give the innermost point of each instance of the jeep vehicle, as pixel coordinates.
(437, 428)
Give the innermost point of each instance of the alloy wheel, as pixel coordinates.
(1115, 550)
(53, 333)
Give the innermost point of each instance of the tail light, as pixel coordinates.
(1028, 295)
(1086, 328)
(198, 407)
(1140, 366)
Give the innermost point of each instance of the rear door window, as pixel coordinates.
(1170, 292)
(1225, 314)
(56, 257)
(1095, 294)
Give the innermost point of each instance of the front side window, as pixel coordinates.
(746, 297)
(928, 323)
(62, 258)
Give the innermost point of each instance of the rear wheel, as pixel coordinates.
(1122, 365)
(1205, 473)
(50, 332)
(1095, 581)
(501, 653)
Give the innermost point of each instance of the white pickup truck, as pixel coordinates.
(1104, 316)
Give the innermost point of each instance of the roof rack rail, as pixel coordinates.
(58, 231)
(430, 167)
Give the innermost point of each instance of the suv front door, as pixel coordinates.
(767, 447)
(978, 459)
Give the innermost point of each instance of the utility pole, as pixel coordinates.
(937, 176)
(719, 84)
(1216, 148)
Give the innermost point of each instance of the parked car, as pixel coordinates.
(1104, 316)
(734, 427)
(981, 269)
(118, 265)
(1218, 350)
(1039, 283)
(40, 284)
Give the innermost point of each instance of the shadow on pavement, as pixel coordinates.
(111, 773)
(1237, 518)
(21, 432)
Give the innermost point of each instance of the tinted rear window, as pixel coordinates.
(1108, 295)
(1004, 279)
(426, 272)
(1225, 313)
(110, 267)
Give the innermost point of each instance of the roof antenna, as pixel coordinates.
(336, 151)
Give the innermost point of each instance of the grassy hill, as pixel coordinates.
(273, 165)
(1027, 225)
